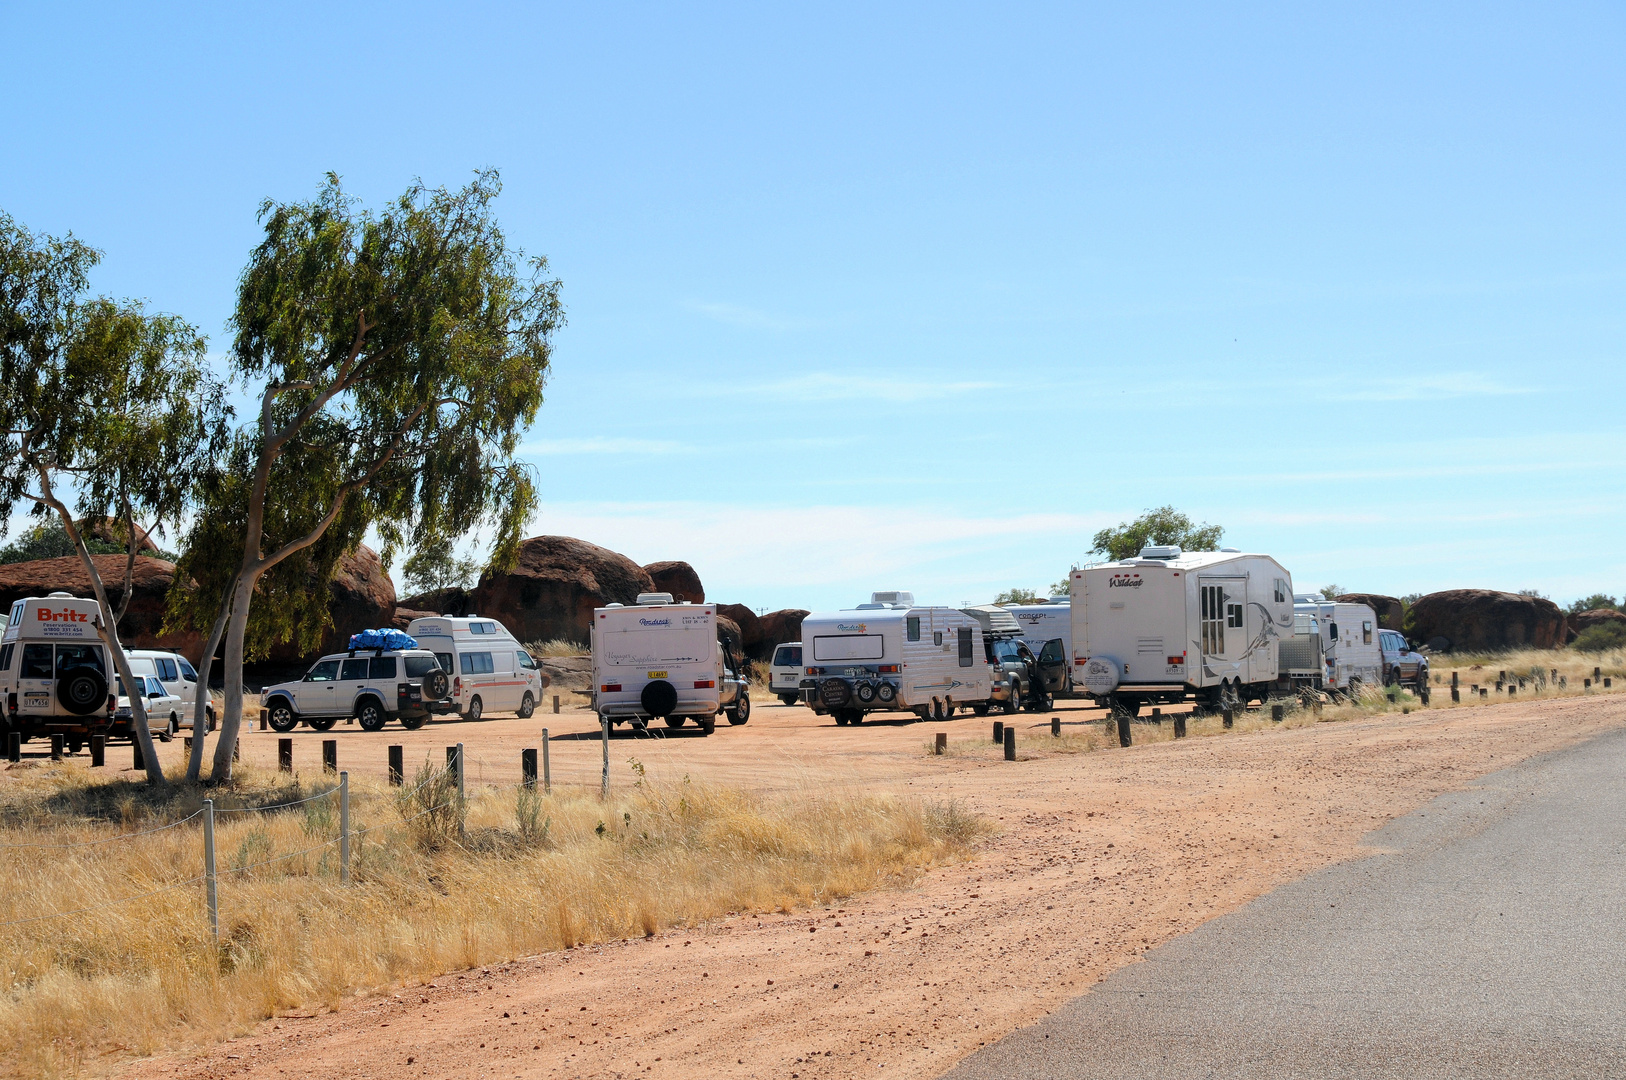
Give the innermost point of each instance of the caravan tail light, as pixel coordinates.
(704, 684)
(610, 688)
(888, 669)
(1176, 661)
(815, 671)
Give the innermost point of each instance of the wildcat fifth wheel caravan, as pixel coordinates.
(1170, 624)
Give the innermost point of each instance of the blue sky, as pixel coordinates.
(920, 297)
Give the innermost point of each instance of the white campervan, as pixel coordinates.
(1047, 629)
(1170, 623)
(54, 671)
(661, 660)
(490, 669)
(1351, 654)
(179, 677)
(890, 654)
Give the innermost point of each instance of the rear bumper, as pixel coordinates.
(633, 710)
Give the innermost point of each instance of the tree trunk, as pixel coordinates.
(200, 707)
(231, 662)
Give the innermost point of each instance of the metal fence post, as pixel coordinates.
(344, 828)
(209, 867)
(547, 771)
(604, 780)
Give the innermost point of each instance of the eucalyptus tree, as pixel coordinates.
(398, 356)
(105, 410)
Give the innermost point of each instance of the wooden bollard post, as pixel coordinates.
(56, 747)
(14, 747)
(330, 755)
(1456, 696)
(1521, 682)
(1229, 718)
(556, 704)
(1512, 691)
(1608, 683)
(1501, 676)
(1597, 673)
(98, 751)
(999, 731)
(1055, 725)
(1010, 744)
(285, 755)
(940, 743)
(1586, 684)
(1157, 715)
(527, 767)
(1124, 738)
(1179, 725)
(1453, 680)
(1483, 692)
(1276, 713)
(397, 766)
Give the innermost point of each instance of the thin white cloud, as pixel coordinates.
(1427, 386)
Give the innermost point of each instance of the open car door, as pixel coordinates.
(1053, 666)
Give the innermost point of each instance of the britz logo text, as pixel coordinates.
(1124, 583)
(62, 616)
(654, 622)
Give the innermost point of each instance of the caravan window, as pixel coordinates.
(1211, 600)
(1332, 631)
(937, 637)
(849, 647)
(965, 646)
(914, 627)
(1233, 616)
(1281, 591)
(1366, 633)
(477, 663)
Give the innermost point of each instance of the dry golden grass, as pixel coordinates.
(557, 647)
(1571, 665)
(530, 873)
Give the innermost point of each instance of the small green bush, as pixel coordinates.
(1601, 637)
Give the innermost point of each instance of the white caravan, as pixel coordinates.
(1042, 624)
(493, 672)
(1169, 624)
(890, 654)
(1351, 654)
(658, 660)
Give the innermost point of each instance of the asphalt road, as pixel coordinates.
(1488, 940)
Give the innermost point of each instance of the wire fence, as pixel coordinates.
(455, 768)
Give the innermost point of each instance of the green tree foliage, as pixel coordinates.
(1164, 525)
(436, 567)
(1018, 596)
(105, 411)
(50, 540)
(1601, 637)
(1593, 603)
(1064, 587)
(398, 357)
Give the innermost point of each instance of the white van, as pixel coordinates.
(54, 671)
(491, 671)
(890, 654)
(785, 673)
(179, 677)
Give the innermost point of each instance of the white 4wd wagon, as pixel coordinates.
(372, 685)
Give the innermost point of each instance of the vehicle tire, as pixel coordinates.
(708, 724)
(789, 699)
(322, 723)
(281, 716)
(75, 745)
(175, 725)
(82, 690)
(741, 712)
(835, 693)
(527, 706)
(1130, 705)
(1013, 704)
(1045, 702)
(371, 715)
(979, 708)
(1421, 682)
(855, 716)
(435, 684)
(209, 721)
(1393, 676)
(840, 717)
(675, 722)
(886, 693)
(477, 708)
(413, 723)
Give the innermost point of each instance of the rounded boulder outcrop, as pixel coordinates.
(142, 625)
(1483, 619)
(453, 601)
(677, 578)
(361, 596)
(552, 591)
(776, 628)
(1390, 611)
(747, 621)
(1583, 620)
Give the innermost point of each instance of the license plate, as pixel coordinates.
(657, 674)
(37, 701)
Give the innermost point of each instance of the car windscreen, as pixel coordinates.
(1006, 652)
(419, 666)
(788, 656)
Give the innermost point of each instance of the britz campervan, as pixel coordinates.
(54, 671)
(891, 654)
(1047, 629)
(658, 660)
(1351, 656)
(1167, 625)
(490, 669)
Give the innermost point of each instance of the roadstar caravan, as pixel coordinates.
(1169, 624)
(662, 660)
(889, 655)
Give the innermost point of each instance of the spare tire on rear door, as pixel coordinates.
(81, 690)
(435, 685)
(659, 698)
(835, 693)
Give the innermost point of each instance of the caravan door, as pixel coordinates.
(1222, 606)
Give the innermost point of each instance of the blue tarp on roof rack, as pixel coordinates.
(383, 639)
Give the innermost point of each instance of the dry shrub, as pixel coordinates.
(534, 872)
(556, 647)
